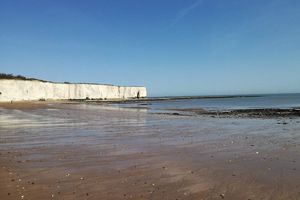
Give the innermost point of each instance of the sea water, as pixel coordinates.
(223, 103)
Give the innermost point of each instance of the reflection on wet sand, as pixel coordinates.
(78, 151)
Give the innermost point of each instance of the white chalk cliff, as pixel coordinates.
(23, 90)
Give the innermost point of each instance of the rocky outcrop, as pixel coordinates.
(22, 90)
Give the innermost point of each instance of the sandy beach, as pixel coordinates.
(83, 151)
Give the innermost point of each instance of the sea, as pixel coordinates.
(262, 101)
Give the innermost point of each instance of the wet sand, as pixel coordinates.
(80, 151)
(26, 105)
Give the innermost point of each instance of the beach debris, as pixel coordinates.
(52, 195)
(222, 196)
(22, 197)
(68, 175)
(257, 152)
(81, 178)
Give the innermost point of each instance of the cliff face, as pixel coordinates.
(22, 90)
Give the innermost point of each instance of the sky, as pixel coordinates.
(173, 47)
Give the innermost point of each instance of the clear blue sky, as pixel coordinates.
(174, 47)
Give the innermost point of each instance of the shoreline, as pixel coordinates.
(228, 113)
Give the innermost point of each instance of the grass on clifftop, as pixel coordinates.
(17, 77)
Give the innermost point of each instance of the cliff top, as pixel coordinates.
(17, 77)
(20, 77)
